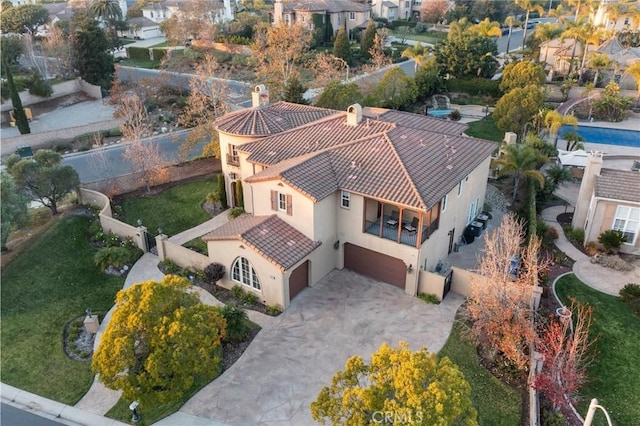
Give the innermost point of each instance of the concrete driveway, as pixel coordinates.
(289, 361)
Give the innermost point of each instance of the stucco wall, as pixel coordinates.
(601, 218)
(181, 256)
(461, 280)
(60, 89)
(431, 283)
(270, 276)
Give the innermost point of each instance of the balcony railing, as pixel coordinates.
(391, 232)
(233, 160)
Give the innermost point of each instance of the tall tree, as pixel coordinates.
(341, 46)
(56, 45)
(634, 71)
(43, 178)
(429, 82)
(418, 53)
(553, 122)
(520, 74)
(520, 160)
(487, 28)
(415, 386)
(515, 110)
(510, 22)
(367, 39)
(499, 302)
(16, 102)
(328, 68)
(396, 89)
(433, 11)
(598, 61)
(91, 51)
(528, 6)
(464, 54)
(11, 48)
(277, 51)
(23, 19)
(108, 10)
(160, 340)
(546, 32)
(339, 96)
(294, 92)
(13, 209)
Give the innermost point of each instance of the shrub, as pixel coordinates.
(249, 298)
(630, 292)
(222, 193)
(235, 212)
(455, 115)
(170, 267)
(237, 291)
(420, 27)
(274, 310)
(574, 235)
(429, 298)
(474, 86)
(113, 256)
(611, 240)
(39, 87)
(240, 60)
(550, 418)
(112, 240)
(612, 262)
(214, 272)
(236, 319)
(591, 248)
(213, 197)
(552, 233)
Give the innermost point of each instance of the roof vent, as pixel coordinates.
(260, 96)
(354, 114)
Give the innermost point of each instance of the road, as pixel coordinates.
(100, 164)
(12, 416)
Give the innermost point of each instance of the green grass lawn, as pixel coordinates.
(431, 37)
(140, 63)
(485, 129)
(197, 245)
(614, 375)
(497, 403)
(174, 210)
(48, 285)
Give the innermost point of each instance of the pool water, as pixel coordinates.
(439, 112)
(605, 136)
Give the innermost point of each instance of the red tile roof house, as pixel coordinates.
(380, 192)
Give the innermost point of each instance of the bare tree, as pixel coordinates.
(57, 46)
(379, 58)
(207, 101)
(328, 68)
(499, 304)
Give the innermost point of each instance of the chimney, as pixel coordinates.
(592, 169)
(277, 12)
(260, 96)
(354, 115)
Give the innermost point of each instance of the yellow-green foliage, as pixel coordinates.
(159, 339)
(408, 387)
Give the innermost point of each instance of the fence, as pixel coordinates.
(181, 256)
(108, 223)
(431, 283)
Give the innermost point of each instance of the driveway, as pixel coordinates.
(290, 360)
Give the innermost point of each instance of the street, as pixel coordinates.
(100, 164)
(12, 416)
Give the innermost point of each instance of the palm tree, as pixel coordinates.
(546, 32)
(599, 61)
(558, 174)
(487, 28)
(528, 6)
(510, 21)
(574, 141)
(520, 160)
(559, 13)
(576, 31)
(108, 10)
(634, 71)
(553, 121)
(418, 53)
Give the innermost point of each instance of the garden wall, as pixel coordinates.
(461, 280)
(59, 90)
(108, 223)
(431, 283)
(181, 256)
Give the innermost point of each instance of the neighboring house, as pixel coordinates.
(58, 12)
(159, 12)
(626, 19)
(609, 199)
(397, 9)
(558, 54)
(141, 28)
(621, 58)
(384, 193)
(340, 13)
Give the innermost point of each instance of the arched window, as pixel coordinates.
(242, 272)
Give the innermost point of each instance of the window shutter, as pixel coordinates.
(274, 200)
(289, 204)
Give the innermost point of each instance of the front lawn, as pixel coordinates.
(496, 402)
(174, 210)
(49, 284)
(485, 129)
(614, 374)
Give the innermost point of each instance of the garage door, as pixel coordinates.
(375, 265)
(298, 280)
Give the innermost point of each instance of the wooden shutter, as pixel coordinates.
(274, 200)
(289, 205)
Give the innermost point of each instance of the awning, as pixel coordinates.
(573, 158)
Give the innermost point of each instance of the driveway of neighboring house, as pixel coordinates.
(291, 359)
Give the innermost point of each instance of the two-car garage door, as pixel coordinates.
(375, 265)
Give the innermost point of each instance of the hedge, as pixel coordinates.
(474, 86)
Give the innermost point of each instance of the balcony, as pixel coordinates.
(233, 160)
(402, 235)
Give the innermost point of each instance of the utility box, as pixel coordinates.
(91, 324)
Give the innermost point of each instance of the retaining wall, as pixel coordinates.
(181, 256)
(59, 90)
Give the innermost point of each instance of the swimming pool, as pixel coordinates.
(605, 136)
(439, 112)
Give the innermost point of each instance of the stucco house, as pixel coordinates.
(384, 193)
(609, 198)
(160, 12)
(141, 28)
(340, 13)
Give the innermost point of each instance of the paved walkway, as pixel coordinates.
(201, 229)
(595, 276)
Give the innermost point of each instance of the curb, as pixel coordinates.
(53, 410)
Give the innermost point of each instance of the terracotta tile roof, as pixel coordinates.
(618, 185)
(270, 236)
(271, 119)
(331, 6)
(324, 134)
